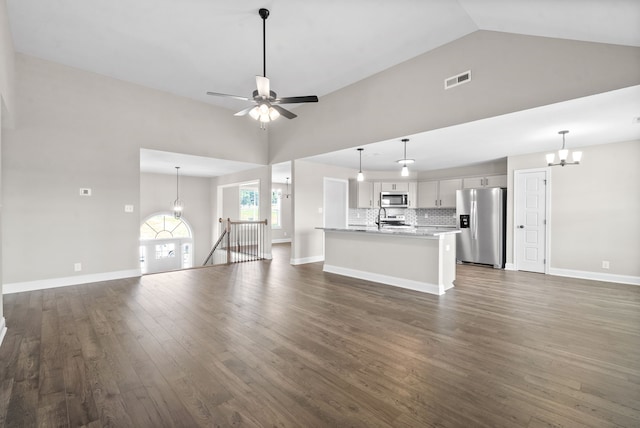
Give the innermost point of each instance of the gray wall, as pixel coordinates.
(308, 185)
(285, 207)
(510, 73)
(7, 107)
(78, 129)
(221, 185)
(158, 191)
(594, 210)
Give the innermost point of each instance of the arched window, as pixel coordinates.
(166, 243)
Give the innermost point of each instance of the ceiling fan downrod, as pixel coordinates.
(264, 14)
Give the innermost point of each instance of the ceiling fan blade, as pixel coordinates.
(284, 112)
(245, 111)
(263, 86)
(228, 96)
(296, 100)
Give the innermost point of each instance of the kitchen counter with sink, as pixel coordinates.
(421, 259)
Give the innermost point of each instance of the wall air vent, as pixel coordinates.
(459, 79)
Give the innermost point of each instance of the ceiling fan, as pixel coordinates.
(267, 106)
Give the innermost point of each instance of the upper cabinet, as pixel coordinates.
(413, 195)
(402, 186)
(488, 181)
(361, 194)
(438, 194)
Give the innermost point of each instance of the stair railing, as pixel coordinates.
(240, 241)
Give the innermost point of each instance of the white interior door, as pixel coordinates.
(336, 204)
(530, 220)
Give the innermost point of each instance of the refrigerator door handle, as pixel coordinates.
(474, 220)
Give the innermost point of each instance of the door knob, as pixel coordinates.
(521, 226)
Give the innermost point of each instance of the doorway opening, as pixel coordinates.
(166, 243)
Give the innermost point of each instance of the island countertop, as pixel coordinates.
(411, 232)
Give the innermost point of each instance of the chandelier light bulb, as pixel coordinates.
(551, 157)
(577, 157)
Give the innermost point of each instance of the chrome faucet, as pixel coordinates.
(379, 222)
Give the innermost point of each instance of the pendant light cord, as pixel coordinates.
(177, 184)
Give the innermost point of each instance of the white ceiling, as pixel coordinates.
(188, 47)
(160, 162)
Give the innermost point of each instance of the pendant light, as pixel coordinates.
(404, 161)
(177, 204)
(563, 154)
(287, 194)
(360, 174)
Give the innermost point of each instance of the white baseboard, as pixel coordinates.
(3, 329)
(424, 287)
(509, 266)
(305, 260)
(17, 287)
(596, 276)
(280, 240)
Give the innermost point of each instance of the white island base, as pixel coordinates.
(418, 261)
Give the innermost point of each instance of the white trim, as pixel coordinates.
(596, 276)
(509, 266)
(280, 240)
(305, 260)
(17, 287)
(3, 329)
(424, 287)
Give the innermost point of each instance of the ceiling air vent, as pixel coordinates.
(459, 79)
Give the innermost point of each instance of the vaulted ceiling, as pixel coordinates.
(189, 47)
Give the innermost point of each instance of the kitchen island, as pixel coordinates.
(421, 259)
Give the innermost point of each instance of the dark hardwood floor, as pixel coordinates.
(269, 344)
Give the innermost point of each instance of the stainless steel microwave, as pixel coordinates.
(394, 199)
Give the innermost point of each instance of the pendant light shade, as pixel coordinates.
(360, 176)
(177, 206)
(563, 154)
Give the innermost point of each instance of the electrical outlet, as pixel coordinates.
(77, 267)
(605, 264)
(128, 208)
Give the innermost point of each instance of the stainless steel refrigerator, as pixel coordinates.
(481, 217)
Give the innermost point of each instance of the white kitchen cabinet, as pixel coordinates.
(395, 187)
(377, 188)
(487, 181)
(413, 195)
(438, 194)
(447, 192)
(428, 194)
(361, 194)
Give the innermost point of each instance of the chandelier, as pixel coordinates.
(563, 155)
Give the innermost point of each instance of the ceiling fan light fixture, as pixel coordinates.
(263, 96)
(273, 113)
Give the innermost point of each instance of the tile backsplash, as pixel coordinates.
(434, 216)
